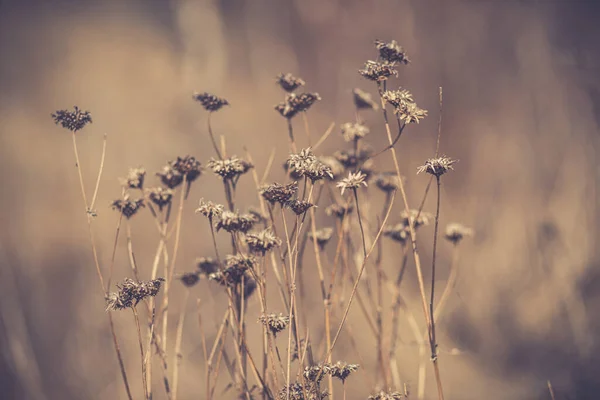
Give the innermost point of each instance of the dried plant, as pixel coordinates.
(262, 242)
(321, 236)
(353, 131)
(160, 196)
(391, 52)
(127, 207)
(455, 233)
(230, 168)
(134, 179)
(74, 120)
(275, 323)
(353, 181)
(131, 293)
(289, 82)
(277, 193)
(210, 102)
(364, 100)
(437, 166)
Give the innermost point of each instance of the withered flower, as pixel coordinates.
(210, 102)
(189, 279)
(234, 222)
(437, 166)
(415, 217)
(339, 210)
(170, 177)
(229, 168)
(74, 120)
(307, 164)
(295, 104)
(378, 71)
(398, 232)
(207, 265)
(364, 100)
(188, 167)
(388, 183)
(160, 196)
(209, 209)
(456, 232)
(131, 293)
(404, 105)
(315, 373)
(299, 207)
(296, 392)
(351, 159)
(289, 82)
(262, 242)
(386, 396)
(353, 181)
(412, 113)
(342, 371)
(235, 270)
(127, 207)
(353, 131)
(391, 52)
(134, 179)
(277, 193)
(275, 323)
(321, 236)
(398, 98)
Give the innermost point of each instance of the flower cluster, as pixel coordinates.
(296, 103)
(437, 166)
(209, 209)
(210, 102)
(74, 120)
(404, 105)
(391, 52)
(289, 82)
(277, 193)
(456, 232)
(275, 323)
(134, 179)
(127, 207)
(353, 131)
(230, 168)
(299, 207)
(262, 242)
(306, 164)
(235, 222)
(207, 265)
(353, 181)
(160, 196)
(378, 71)
(131, 293)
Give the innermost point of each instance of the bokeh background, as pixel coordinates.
(521, 105)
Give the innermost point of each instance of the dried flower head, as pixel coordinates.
(275, 323)
(262, 242)
(364, 100)
(352, 159)
(236, 269)
(127, 207)
(337, 168)
(306, 164)
(295, 104)
(277, 193)
(188, 167)
(411, 114)
(321, 236)
(170, 177)
(289, 82)
(296, 392)
(386, 396)
(378, 71)
(398, 232)
(339, 210)
(391, 52)
(415, 217)
(456, 232)
(398, 98)
(160, 196)
(353, 181)
(207, 265)
(404, 105)
(299, 207)
(342, 370)
(134, 179)
(209, 209)
(234, 222)
(189, 279)
(131, 293)
(210, 102)
(74, 120)
(353, 131)
(437, 166)
(229, 168)
(387, 182)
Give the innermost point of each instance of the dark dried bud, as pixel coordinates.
(160, 196)
(234, 222)
(364, 100)
(209, 209)
(230, 168)
(262, 242)
(299, 207)
(399, 232)
(74, 120)
(437, 166)
(188, 167)
(457, 232)
(189, 279)
(289, 82)
(170, 177)
(210, 102)
(339, 210)
(207, 265)
(378, 71)
(342, 370)
(134, 179)
(131, 293)
(127, 207)
(391, 52)
(294, 104)
(275, 323)
(277, 193)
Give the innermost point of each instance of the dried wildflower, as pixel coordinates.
(295, 104)
(321, 236)
(210, 102)
(275, 323)
(353, 181)
(289, 82)
(315, 373)
(386, 396)
(170, 177)
(189, 279)
(188, 167)
(209, 209)
(339, 210)
(135, 178)
(378, 71)
(456, 232)
(342, 370)
(415, 217)
(207, 265)
(437, 166)
(277, 193)
(398, 232)
(308, 165)
(236, 267)
(336, 167)
(230, 168)
(398, 98)
(74, 120)
(391, 52)
(296, 392)
(388, 183)
(240, 261)
(234, 222)
(364, 100)
(404, 105)
(160, 196)
(299, 207)
(127, 207)
(262, 242)
(412, 113)
(351, 159)
(353, 131)
(131, 293)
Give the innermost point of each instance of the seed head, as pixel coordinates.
(262, 242)
(388, 183)
(342, 370)
(207, 265)
(160, 196)
(299, 207)
(416, 218)
(189, 279)
(134, 179)
(364, 100)
(234, 222)
(170, 177)
(339, 210)
(229, 168)
(236, 269)
(289, 82)
(277, 193)
(351, 159)
(275, 323)
(398, 98)
(399, 232)
(391, 52)
(353, 181)
(378, 71)
(131, 293)
(74, 120)
(437, 166)
(456, 232)
(321, 236)
(294, 104)
(411, 114)
(353, 131)
(307, 164)
(188, 167)
(296, 392)
(209, 209)
(210, 102)
(404, 105)
(127, 207)
(386, 396)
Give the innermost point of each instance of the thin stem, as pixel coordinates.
(435, 235)
(212, 137)
(99, 174)
(178, 340)
(291, 135)
(362, 231)
(139, 332)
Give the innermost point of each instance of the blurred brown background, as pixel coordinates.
(521, 104)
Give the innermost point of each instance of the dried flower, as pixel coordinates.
(234, 222)
(364, 100)
(131, 293)
(210, 102)
(339, 210)
(188, 167)
(74, 120)
(353, 131)
(307, 164)
(416, 218)
(388, 183)
(275, 323)
(391, 52)
(160, 196)
(135, 178)
(189, 279)
(229, 168)
(398, 232)
(412, 113)
(378, 71)
(289, 82)
(351, 159)
(342, 370)
(353, 181)
(404, 105)
(296, 392)
(209, 209)
(386, 396)
(398, 98)
(437, 166)
(277, 193)
(127, 207)
(207, 265)
(299, 207)
(456, 232)
(236, 267)
(335, 167)
(294, 104)
(262, 242)
(170, 177)
(321, 236)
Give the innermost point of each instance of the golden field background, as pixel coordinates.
(521, 104)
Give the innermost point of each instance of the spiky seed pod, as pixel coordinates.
(391, 52)
(378, 71)
(437, 166)
(210, 102)
(230, 168)
(353, 181)
(289, 82)
(130, 293)
(74, 120)
(277, 193)
(127, 207)
(209, 209)
(188, 167)
(342, 370)
(275, 323)
(234, 222)
(262, 242)
(307, 164)
(296, 103)
(299, 207)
